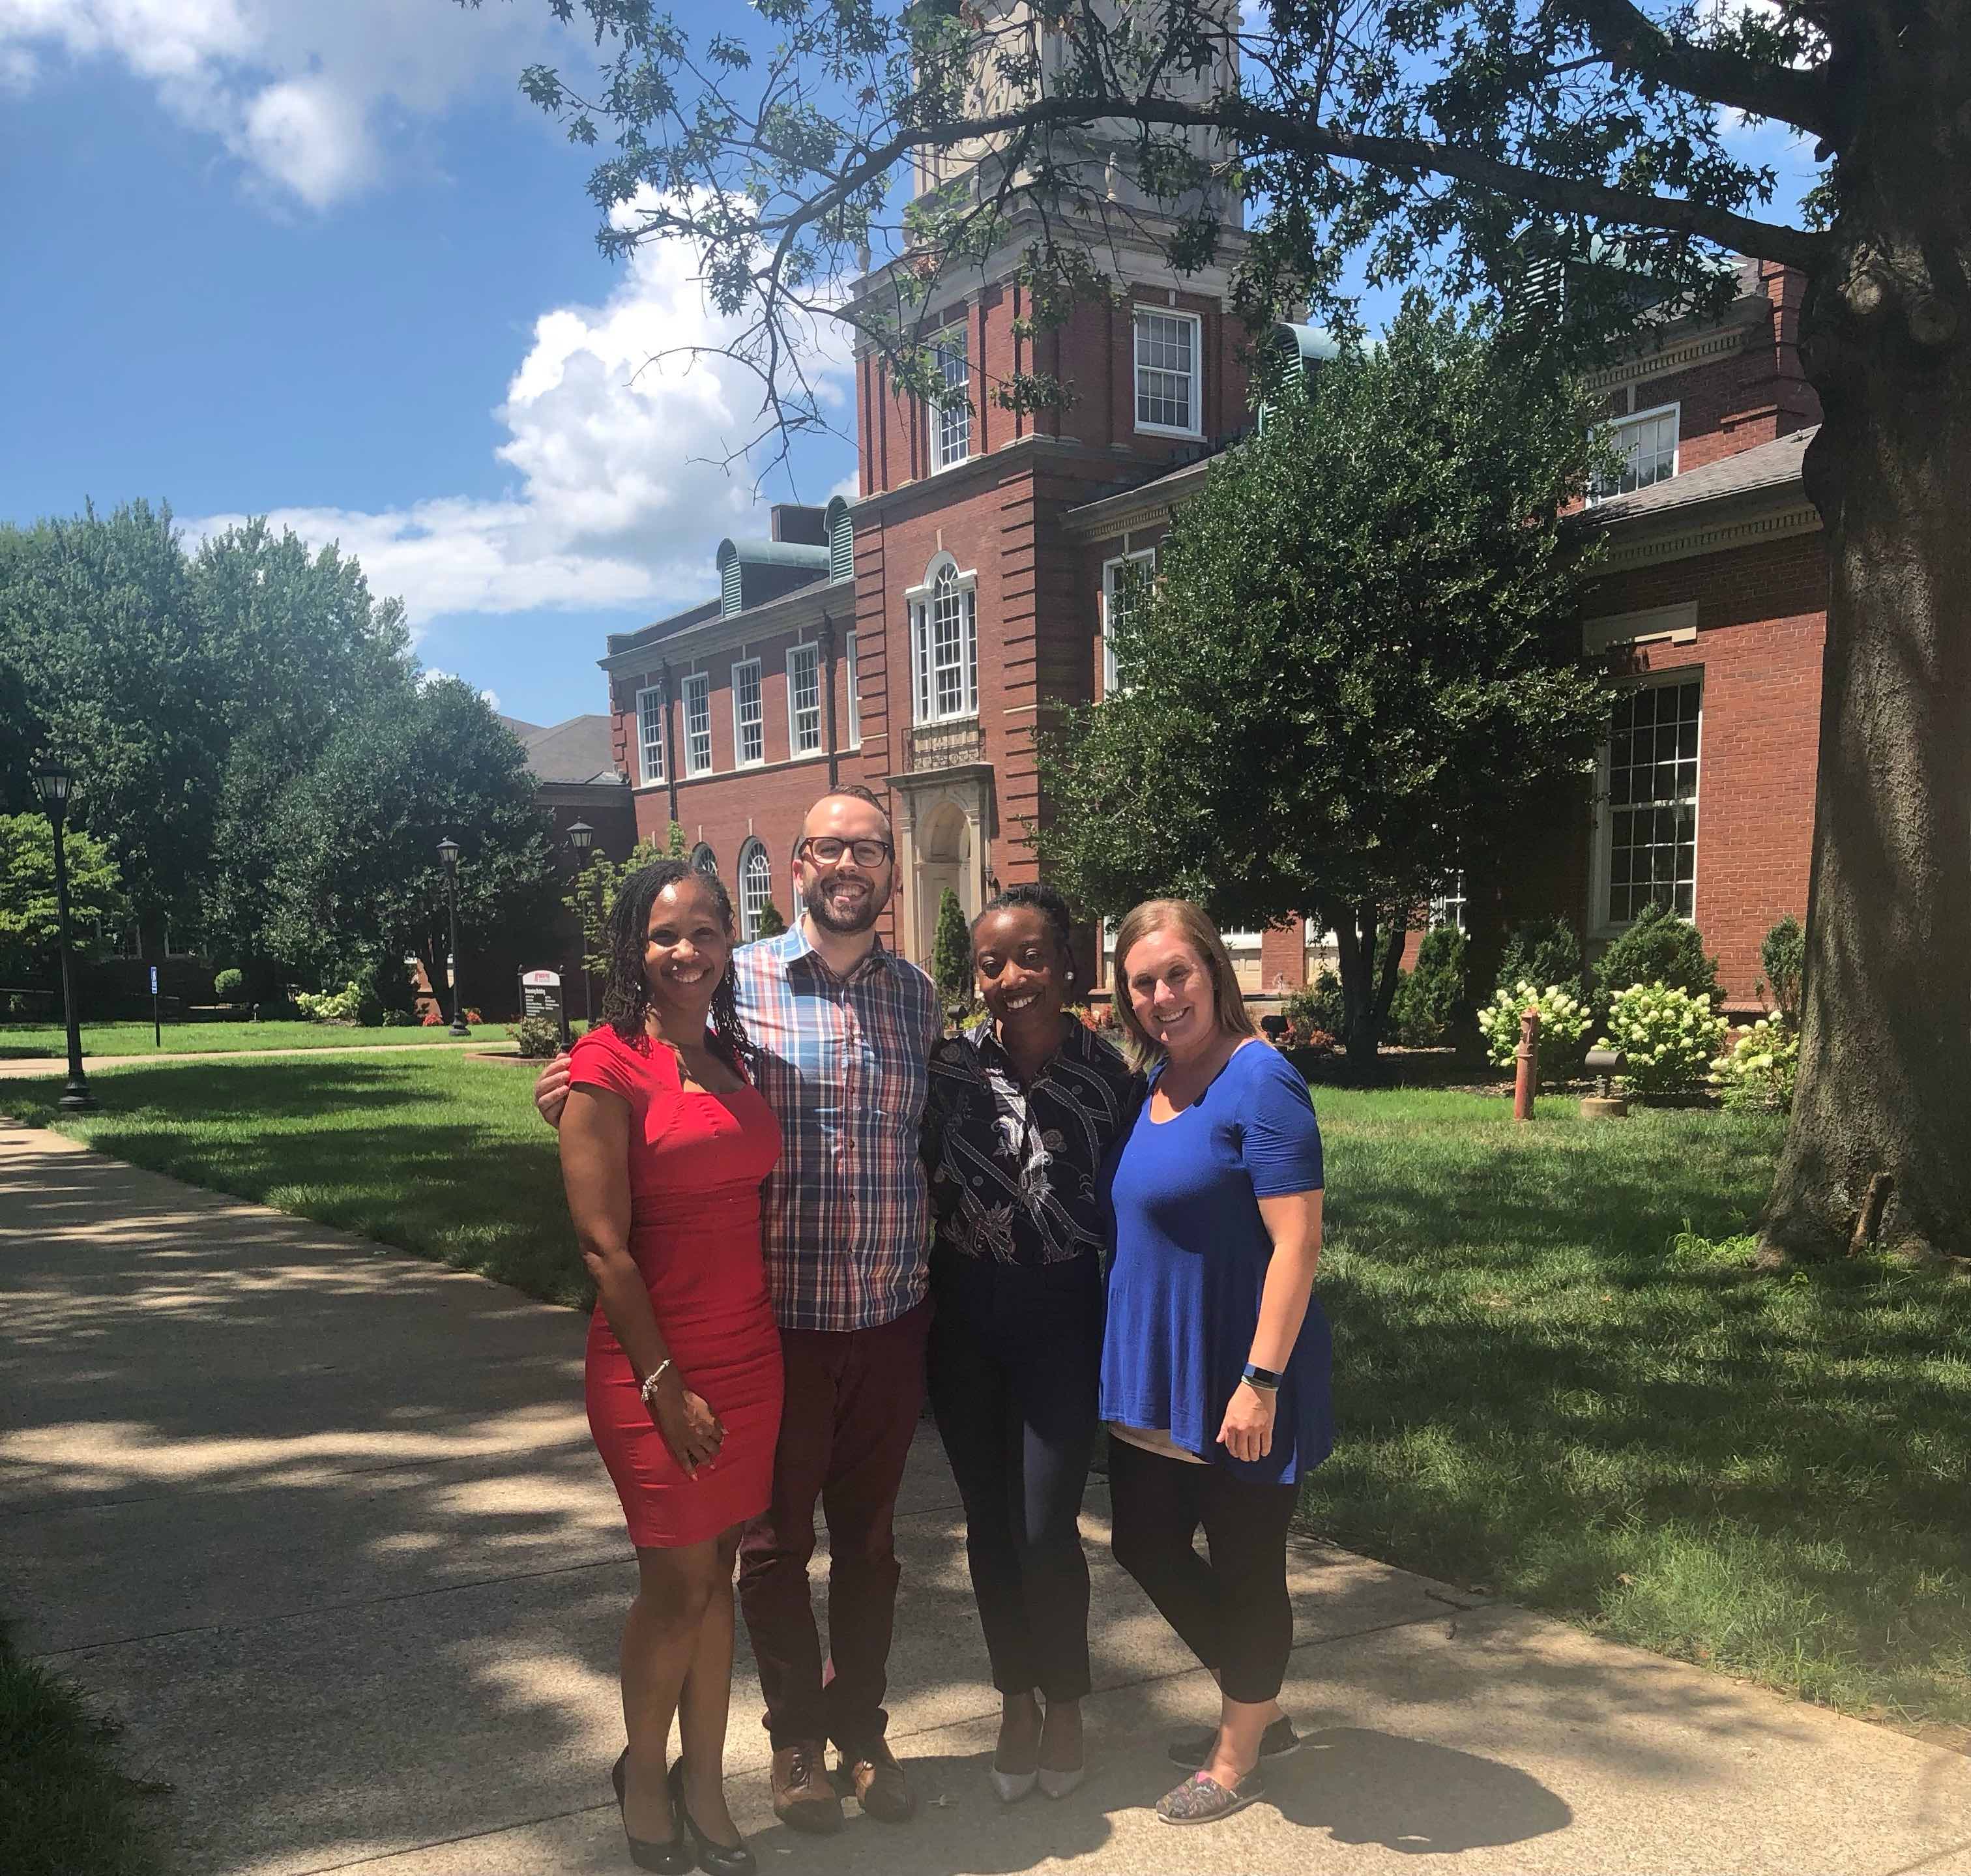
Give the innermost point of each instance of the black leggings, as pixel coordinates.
(1014, 1356)
(1232, 1612)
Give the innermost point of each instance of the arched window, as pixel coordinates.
(756, 889)
(944, 643)
(704, 859)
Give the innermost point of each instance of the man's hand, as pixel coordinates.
(551, 1091)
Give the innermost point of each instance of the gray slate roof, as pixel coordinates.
(1771, 465)
(576, 750)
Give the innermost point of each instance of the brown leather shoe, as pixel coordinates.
(878, 1781)
(802, 1797)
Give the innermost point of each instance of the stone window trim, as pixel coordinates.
(1684, 795)
(803, 701)
(749, 714)
(696, 691)
(1172, 391)
(1111, 569)
(650, 714)
(943, 616)
(853, 691)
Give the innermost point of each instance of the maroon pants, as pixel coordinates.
(853, 1398)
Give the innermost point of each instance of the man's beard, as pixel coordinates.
(845, 926)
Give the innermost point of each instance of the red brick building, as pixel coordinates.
(907, 641)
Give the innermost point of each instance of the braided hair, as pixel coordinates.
(1044, 900)
(626, 995)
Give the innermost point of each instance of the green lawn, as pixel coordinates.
(1546, 1385)
(66, 1807)
(20, 1041)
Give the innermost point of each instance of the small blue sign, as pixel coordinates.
(153, 980)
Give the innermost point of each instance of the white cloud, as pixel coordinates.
(302, 92)
(619, 500)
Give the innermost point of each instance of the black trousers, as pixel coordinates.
(1015, 1356)
(1232, 1612)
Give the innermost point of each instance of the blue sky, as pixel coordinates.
(323, 262)
(317, 259)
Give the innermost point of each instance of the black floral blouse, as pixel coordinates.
(1015, 1171)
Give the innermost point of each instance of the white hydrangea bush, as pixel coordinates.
(1759, 1069)
(1670, 1038)
(1563, 1022)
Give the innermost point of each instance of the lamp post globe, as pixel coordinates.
(53, 784)
(447, 853)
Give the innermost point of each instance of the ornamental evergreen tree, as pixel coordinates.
(768, 923)
(951, 954)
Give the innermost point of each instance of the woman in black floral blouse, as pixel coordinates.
(1023, 1110)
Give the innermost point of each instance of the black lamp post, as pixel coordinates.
(447, 851)
(582, 837)
(52, 784)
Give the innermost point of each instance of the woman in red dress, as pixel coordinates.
(663, 1145)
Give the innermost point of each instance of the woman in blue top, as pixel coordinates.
(1215, 1357)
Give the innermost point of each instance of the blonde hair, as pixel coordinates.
(1188, 921)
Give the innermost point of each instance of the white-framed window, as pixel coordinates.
(944, 641)
(1647, 845)
(749, 715)
(650, 734)
(756, 889)
(1647, 444)
(704, 860)
(854, 686)
(1447, 903)
(804, 699)
(698, 724)
(1117, 599)
(951, 415)
(1167, 348)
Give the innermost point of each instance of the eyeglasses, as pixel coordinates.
(827, 849)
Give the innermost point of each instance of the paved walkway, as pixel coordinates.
(324, 1523)
(27, 1067)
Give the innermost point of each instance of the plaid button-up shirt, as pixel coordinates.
(844, 1221)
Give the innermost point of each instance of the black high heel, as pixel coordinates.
(715, 1859)
(668, 1859)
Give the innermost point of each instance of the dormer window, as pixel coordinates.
(1646, 444)
(1168, 347)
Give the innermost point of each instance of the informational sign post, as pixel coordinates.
(157, 1015)
(540, 995)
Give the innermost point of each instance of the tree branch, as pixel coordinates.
(1631, 40)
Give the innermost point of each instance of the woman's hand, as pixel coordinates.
(1247, 1432)
(692, 1431)
(551, 1090)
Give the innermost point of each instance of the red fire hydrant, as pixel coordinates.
(1528, 1058)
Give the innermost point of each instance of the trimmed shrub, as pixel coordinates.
(1430, 997)
(1316, 1006)
(1783, 953)
(1671, 1037)
(1541, 951)
(1563, 1023)
(1659, 948)
(951, 955)
(229, 986)
(331, 1006)
(1759, 1069)
(769, 924)
(539, 1036)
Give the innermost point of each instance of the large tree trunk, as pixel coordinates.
(1884, 1090)
(1368, 981)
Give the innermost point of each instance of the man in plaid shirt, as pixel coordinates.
(843, 1028)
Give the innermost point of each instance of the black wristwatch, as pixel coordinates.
(1260, 1377)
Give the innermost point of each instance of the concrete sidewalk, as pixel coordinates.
(323, 1522)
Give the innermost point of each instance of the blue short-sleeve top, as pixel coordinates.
(1190, 1257)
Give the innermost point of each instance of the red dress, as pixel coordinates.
(696, 1160)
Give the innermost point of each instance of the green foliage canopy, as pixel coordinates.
(30, 930)
(1370, 600)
